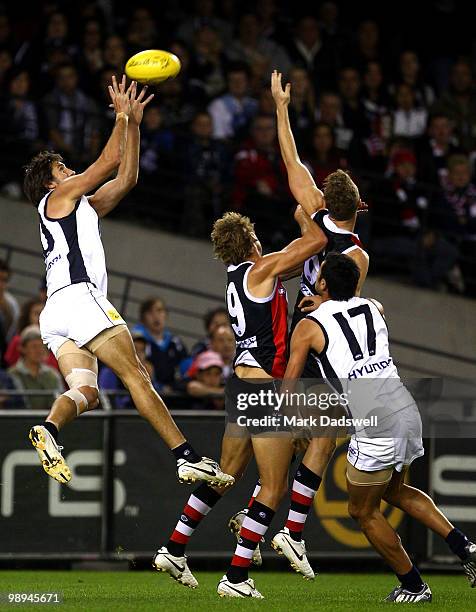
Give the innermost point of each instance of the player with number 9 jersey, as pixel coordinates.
(259, 324)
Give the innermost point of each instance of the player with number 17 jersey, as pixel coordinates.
(259, 324)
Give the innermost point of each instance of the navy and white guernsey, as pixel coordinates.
(356, 360)
(260, 324)
(356, 340)
(72, 247)
(339, 240)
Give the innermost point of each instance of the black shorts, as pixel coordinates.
(250, 405)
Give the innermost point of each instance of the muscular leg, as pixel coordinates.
(235, 455)
(364, 507)
(236, 452)
(318, 454)
(416, 504)
(421, 507)
(273, 456)
(119, 354)
(64, 409)
(79, 368)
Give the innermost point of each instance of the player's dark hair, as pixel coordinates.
(38, 173)
(147, 305)
(210, 315)
(341, 195)
(233, 238)
(341, 274)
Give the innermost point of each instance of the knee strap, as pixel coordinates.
(78, 398)
(80, 377)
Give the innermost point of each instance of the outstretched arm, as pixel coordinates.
(64, 196)
(301, 183)
(270, 266)
(109, 195)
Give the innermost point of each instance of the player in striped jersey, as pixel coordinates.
(78, 323)
(257, 306)
(335, 212)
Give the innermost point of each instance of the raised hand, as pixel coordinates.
(138, 103)
(309, 303)
(362, 207)
(119, 96)
(281, 96)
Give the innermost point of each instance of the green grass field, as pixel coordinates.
(145, 591)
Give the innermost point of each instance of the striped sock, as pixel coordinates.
(198, 506)
(257, 489)
(254, 527)
(305, 485)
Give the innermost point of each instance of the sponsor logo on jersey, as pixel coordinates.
(247, 343)
(370, 368)
(114, 315)
(53, 261)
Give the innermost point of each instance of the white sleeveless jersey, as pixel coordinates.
(356, 340)
(72, 247)
(356, 360)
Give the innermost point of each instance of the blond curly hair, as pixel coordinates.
(233, 237)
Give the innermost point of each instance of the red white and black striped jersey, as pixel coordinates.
(338, 239)
(259, 324)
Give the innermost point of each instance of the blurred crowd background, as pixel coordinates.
(386, 92)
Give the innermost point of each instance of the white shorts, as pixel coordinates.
(79, 313)
(403, 445)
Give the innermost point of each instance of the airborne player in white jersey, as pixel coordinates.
(348, 338)
(78, 323)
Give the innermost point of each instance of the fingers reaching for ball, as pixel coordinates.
(119, 96)
(138, 105)
(126, 100)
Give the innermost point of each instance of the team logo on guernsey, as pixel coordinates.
(114, 315)
(247, 343)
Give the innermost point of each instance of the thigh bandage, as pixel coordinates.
(80, 377)
(366, 479)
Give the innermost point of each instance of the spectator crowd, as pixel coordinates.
(369, 94)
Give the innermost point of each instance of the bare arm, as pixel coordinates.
(109, 195)
(297, 271)
(64, 196)
(306, 336)
(301, 183)
(362, 260)
(263, 273)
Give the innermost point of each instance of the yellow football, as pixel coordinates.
(152, 66)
